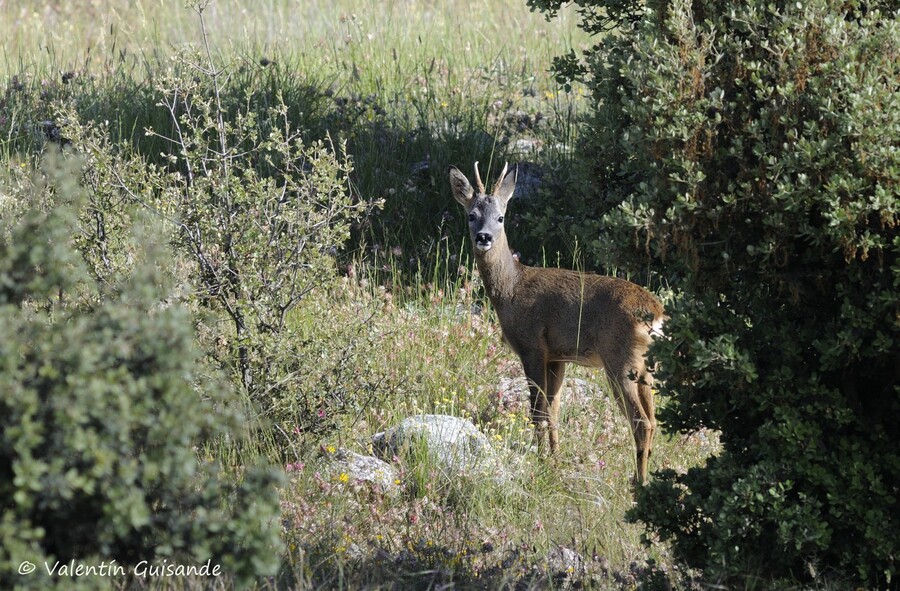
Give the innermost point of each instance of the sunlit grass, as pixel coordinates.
(436, 356)
(387, 44)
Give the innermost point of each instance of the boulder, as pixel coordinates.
(565, 569)
(565, 561)
(455, 444)
(367, 469)
(513, 392)
(530, 176)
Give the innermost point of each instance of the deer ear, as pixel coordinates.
(506, 185)
(459, 184)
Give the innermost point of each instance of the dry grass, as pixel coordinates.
(435, 356)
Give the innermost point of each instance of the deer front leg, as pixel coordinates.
(535, 367)
(556, 373)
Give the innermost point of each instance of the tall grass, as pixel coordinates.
(412, 86)
(384, 40)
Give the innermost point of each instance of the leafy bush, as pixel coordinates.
(257, 216)
(103, 405)
(749, 153)
(261, 214)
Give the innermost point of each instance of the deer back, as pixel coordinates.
(580, 317)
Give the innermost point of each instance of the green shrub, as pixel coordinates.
(750, 153)
(258, 217)
(103, 404)
(260, 213)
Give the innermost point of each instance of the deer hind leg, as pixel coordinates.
(627, 392)
(645, 394)
(556, 373)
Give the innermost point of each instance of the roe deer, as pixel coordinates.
(553, 316)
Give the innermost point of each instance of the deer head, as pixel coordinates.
(485, 211)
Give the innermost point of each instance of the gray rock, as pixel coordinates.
(565, 569)
(562, 560)
(583, 392)
(527, 146)
(455, 444)
(362, 468)
(463, 311)
(514, 391)
(529, 179)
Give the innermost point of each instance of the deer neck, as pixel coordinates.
(499, 270)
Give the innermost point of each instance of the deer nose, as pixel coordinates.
(483, 237)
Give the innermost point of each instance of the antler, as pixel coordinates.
(478, 180)
(501, 177)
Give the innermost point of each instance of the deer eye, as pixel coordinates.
(471, 217)
(500, 219)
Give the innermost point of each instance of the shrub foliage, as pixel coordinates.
(258, 217)
(103, 406)
(750, 153)
(262, 216)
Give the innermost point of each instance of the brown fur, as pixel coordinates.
(551, 317)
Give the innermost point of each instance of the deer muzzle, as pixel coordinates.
(483, 241)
